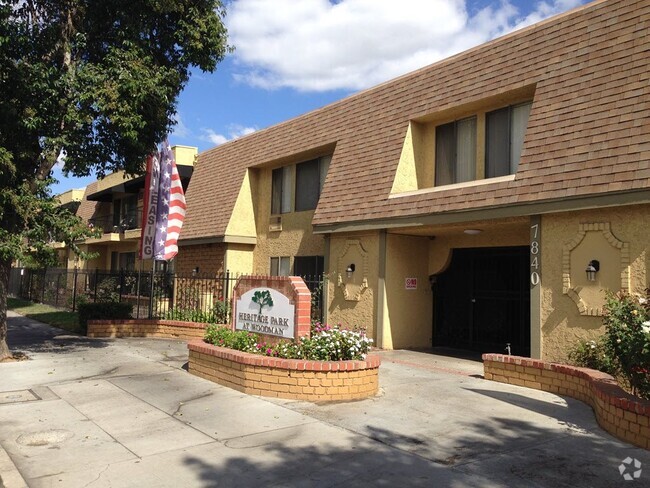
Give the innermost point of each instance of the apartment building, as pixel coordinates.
(486, 202)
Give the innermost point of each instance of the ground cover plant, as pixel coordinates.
(327, 343)
(624, 349)
(63, 319)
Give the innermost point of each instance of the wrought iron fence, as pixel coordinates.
(154, 294)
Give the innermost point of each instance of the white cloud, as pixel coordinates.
(319, 45)
(180, 129)
(235, 131)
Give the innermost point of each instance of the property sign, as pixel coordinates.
(411, 283)
(265, 311)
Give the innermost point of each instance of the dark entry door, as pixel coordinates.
(482, 301)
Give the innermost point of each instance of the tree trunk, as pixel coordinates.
(5, 269)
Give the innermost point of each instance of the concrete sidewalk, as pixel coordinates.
(93, 412)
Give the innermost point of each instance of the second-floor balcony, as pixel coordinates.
(117, 224)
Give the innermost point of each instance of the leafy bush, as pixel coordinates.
(624, 350)
(593, 355)
(103, 311)
(221, 312)
(189, 315)
(239, 340)
(107, 290)
(326, 343)
(218, 314)
(627, 339)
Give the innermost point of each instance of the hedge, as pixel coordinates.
(103, 311)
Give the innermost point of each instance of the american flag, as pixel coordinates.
(165, 200)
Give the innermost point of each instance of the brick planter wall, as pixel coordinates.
(164, 329)
(285, 378)
(619, 413)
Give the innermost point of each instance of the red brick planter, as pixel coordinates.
(164, 329)
(619, 413)
(285, 378)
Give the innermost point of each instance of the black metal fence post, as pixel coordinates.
(43, 286)
(56, 297)
(151, 294)
(95, 287)
(74, 289)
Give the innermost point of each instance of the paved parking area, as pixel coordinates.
(93, 412)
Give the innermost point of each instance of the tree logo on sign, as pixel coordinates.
(263, 299)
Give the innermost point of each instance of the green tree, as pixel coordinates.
(97, 81)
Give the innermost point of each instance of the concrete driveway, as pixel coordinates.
(94, 413)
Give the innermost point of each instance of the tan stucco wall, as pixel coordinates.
(239, 258)
(295, 238)
(513, 232)
(561, 322)
(409, 321)
(352, 313)
(242, 219)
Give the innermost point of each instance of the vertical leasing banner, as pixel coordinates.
(150, 207)
(163, 211)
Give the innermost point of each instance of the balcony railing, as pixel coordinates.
(109, 224)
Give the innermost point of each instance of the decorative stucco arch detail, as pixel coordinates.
(353, 253)
(571, 248)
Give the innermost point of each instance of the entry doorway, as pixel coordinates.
(482, 301)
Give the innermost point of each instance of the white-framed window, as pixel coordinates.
(280, 266)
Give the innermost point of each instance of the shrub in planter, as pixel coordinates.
(627, 339)
(327, 343)
(593, 355)
(103, 311)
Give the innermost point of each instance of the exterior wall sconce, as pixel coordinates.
(592, 268)
(349, 270)
(195, 271)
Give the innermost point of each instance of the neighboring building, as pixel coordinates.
(114, 205)
(70, 200)
(459, 205)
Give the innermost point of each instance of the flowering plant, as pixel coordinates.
(627, 339)
(327, 343)
(593, 355)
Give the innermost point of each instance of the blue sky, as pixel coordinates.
(295, 56)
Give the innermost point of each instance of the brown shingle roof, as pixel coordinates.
(588, 132)
(87, 208)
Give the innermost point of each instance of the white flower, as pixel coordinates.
(646, 327)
